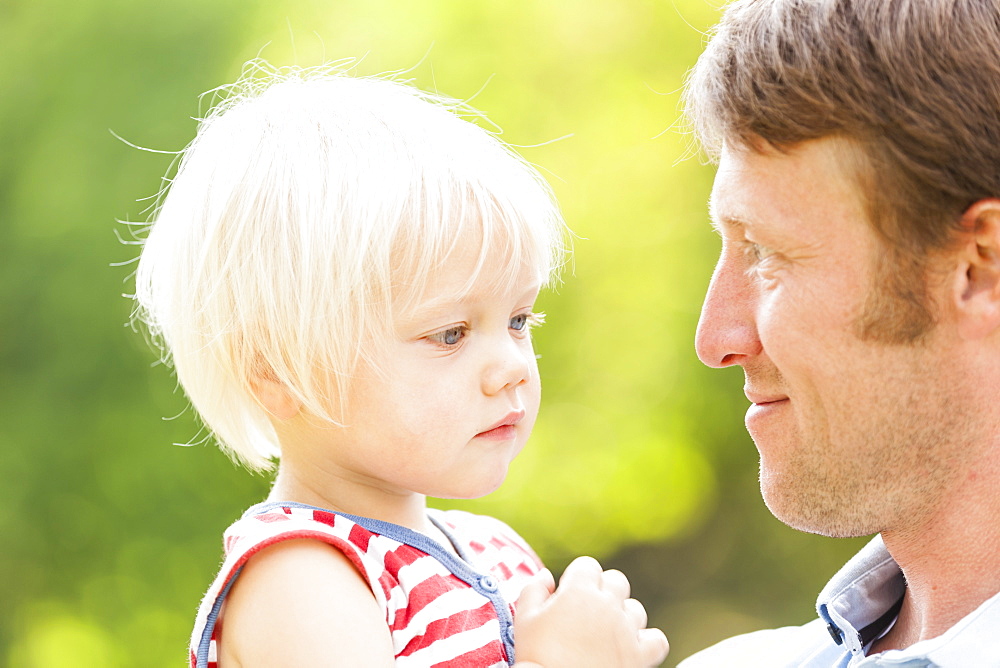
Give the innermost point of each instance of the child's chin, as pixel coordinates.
(473, 491)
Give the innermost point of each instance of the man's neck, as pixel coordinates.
(951, 561)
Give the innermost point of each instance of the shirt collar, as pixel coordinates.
(863, 598)
(858, 605)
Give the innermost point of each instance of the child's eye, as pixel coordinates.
(524, 321)
(450, 336)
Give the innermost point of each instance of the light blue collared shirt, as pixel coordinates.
(857, 606)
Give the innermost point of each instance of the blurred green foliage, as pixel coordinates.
(110, 531)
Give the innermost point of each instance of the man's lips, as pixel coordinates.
(765, 407)
(762, 399)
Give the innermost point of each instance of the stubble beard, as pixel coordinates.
(889, 472)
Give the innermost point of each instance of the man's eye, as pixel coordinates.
(762, 252)
(757, 252)
(450, 336)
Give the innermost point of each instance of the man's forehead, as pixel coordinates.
(733, 185)
(753, 185)
(731, 200)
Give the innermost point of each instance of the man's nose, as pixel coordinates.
(727, 329)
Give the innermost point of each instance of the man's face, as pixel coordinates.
(855, 436)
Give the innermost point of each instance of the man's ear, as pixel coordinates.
(977, 291)
(275, 397)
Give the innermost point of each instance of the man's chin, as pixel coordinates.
(795, 506)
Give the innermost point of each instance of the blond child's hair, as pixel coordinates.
(311, 206)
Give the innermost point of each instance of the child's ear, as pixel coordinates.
(275, 396)
(977, 293)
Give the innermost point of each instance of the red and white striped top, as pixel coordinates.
(442, 611)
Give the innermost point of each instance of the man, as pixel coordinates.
(858, 200)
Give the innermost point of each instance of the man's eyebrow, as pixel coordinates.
(728, 222)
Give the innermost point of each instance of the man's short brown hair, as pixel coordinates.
(915, 84)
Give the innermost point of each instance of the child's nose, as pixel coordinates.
(511, 364)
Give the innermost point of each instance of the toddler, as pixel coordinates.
(343, 274)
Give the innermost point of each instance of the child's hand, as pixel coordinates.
(589, 621)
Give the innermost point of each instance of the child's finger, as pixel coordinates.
(636, 613)
(545, 577)
(653, 646)
(615, 582)
(582, 571)
(533, 596)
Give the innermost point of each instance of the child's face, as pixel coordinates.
(458, 397)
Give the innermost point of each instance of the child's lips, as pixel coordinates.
(502, 433)
(505, 429)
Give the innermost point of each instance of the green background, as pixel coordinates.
(110, 532)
